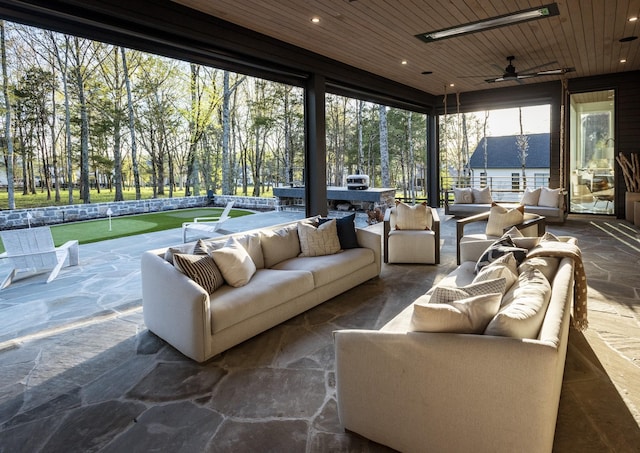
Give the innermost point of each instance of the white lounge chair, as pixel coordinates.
(206, 224)
(33, 250)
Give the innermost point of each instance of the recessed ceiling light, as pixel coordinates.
(623, 60)
(452, 84)
(492, 22)
(404, 61)
(633, 19)
(315, 20)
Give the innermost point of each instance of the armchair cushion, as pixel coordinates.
(416, 217)
(501, 218)
(470, 315)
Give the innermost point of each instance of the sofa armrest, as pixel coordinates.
(371, 240)
(447, 392)
(175, 307)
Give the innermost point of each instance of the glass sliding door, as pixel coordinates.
(592, 152)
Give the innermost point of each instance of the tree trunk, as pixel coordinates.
(85, 194)
(7, 120)
(132, 129)
(384, 147)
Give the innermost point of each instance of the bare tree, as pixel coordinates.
(384, 146)
(7, 119)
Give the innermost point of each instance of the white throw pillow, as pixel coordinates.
(501, 218)
(416, 217)
(482, 196)
(446, 294)
(319, 241)
(469, 315)
(549, 197)
(504, 267)
(462, 196)
(524, 307)
(530, 197)
(234, 262)
(250, 242)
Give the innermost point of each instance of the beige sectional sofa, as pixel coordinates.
(201, 324)
(419, 391)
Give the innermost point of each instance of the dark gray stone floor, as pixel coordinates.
(80, 372)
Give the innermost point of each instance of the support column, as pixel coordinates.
(315, 163)
(433, 161)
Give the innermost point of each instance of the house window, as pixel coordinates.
(483, 179)
(515, 181)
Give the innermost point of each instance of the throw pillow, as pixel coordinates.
(463, 196)
(549, 237)
(469, 315)
(504, 267)
(549, 197)
(201, 269)
(513, 233)
(501, 247)
(171, 251)
(501, 218)
(319, 241)
(250, 242)
(530, 197)
(279, 245)
(548, 265)
(235, 263)
(521, 316)
(446, 294)
(482, 196)
(416, 217)
(346, 231)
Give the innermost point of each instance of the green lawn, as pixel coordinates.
(98, 230)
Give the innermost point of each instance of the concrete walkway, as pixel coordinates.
(80, 372)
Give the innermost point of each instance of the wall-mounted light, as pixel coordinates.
(493, 22)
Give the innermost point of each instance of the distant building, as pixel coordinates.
(503, 167)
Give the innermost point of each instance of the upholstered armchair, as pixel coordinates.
(411, 234)
(498, 220)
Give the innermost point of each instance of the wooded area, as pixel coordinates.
(86, 115)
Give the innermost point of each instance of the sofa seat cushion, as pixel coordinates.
(328, 268)
(268, 288)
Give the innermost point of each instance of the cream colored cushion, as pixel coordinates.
(234, 262)
(250, 242)
(482, 196)
(501, 218)
(530, 197)
(416, 217)
(183, 248)
(469, 315)
(548, 265)
(279, 245)
(201, 269)
(446, 294)
(523, 307)
(319, 241)
(549, 197)
(463, 196)
(504, 267)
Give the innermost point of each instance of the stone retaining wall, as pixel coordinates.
(51, 215)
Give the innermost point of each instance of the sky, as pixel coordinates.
(535, 120)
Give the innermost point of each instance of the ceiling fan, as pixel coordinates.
(510, 72)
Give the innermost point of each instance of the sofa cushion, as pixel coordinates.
(482, 195)
(346, 227)
(234, 262)
(499, 248)
(184, 248)
(250, 242)
(201, 269)
(470, 315)
(530, 197)
(549, 197)
(504, 267)
(523, 307)
(416, 217)
(446, 294)
(280, 244)
(329, 268)
(463, 195)
(318, 241)
(267, 289)
(548, 265)
(501, 218)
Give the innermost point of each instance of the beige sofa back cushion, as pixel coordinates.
(279, 245)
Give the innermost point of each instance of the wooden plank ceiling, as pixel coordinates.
(377, 35)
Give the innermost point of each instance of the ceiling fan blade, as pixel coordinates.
(556, 71)
(539, 66)
(528, 76)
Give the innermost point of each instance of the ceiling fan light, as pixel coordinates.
(493, 22)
